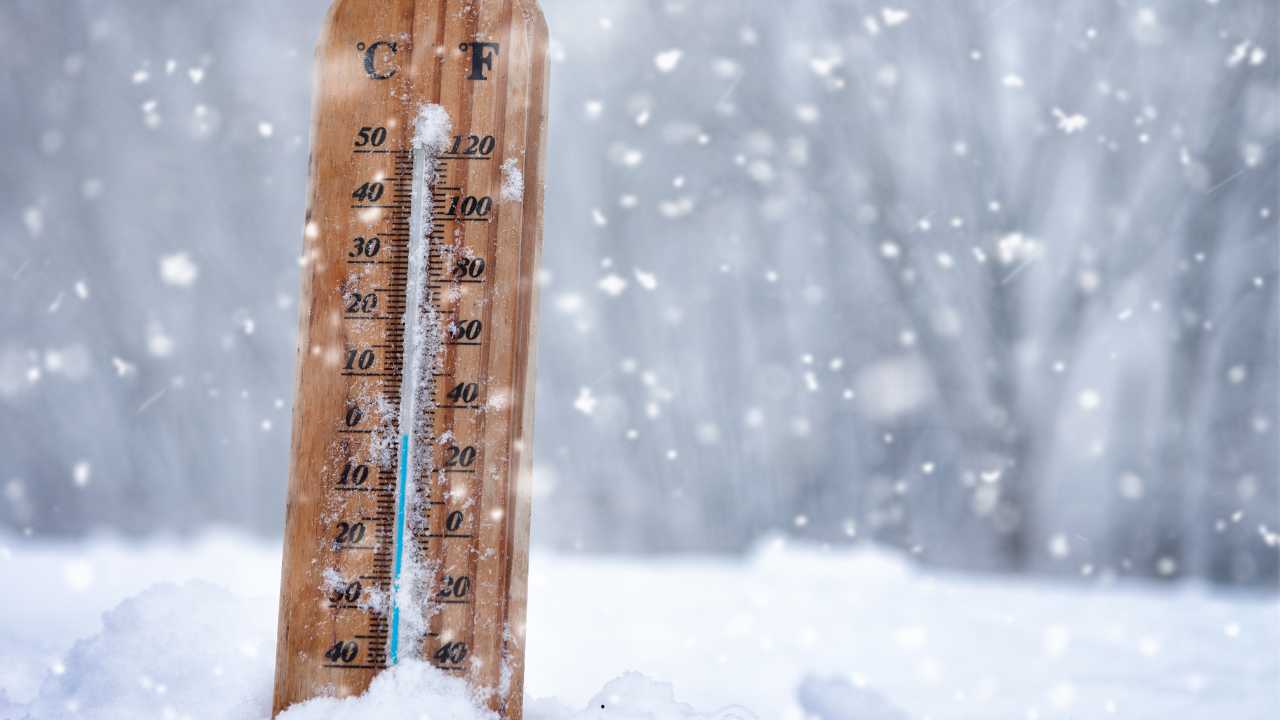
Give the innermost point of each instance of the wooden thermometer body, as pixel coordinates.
(408, 515)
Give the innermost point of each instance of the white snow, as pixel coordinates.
(33, 218)
(646, 280)
(81, 472)
(431, 129)
(178, 270)
(1246, 49)
(837, 698)
(612, 284)
(789, 632)
(893, 387)
(447, 697)
(667, 60)
(585, 403)
(512, 180)
(676, 208)
(169, 652)
(1074, 122)
(123, 367)
(1089, 399)
(894, 16)
(1016, 247)
(159, 343)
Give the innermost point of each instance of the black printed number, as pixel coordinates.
(464, 392)
(365, 303)
(369, 192)
(343, 651)
(455, 586)
(465, 329)
(473, 145)
(468, 268)
(349, 592)
(371, 137)
(353, 474)
(350, 533)
(460, 457)
(469, 206)
(452, 652)
(453, 523)
(360, 360)
(365, 247)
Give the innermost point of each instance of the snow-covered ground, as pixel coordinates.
(789, 630)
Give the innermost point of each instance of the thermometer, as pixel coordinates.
(407, 530)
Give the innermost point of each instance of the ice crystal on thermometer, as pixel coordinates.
(512, 180)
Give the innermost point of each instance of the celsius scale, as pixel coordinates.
(407, 529)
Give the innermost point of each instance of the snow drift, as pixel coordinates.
(789, 632)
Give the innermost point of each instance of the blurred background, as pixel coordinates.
(994, 283)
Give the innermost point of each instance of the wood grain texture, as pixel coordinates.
(377, 63)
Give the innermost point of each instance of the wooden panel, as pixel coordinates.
(377, 63)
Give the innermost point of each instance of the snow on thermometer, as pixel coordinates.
(408, 518)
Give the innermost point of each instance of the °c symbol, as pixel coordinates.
(371, 66)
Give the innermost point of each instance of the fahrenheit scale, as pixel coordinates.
(408, 518)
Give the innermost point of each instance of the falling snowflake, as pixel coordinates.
(1089, 400)
(894, 16)
(178, 270)
(80, 473)
(585, 402)
(1072, 123)
(612, 284)
(667, 60)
